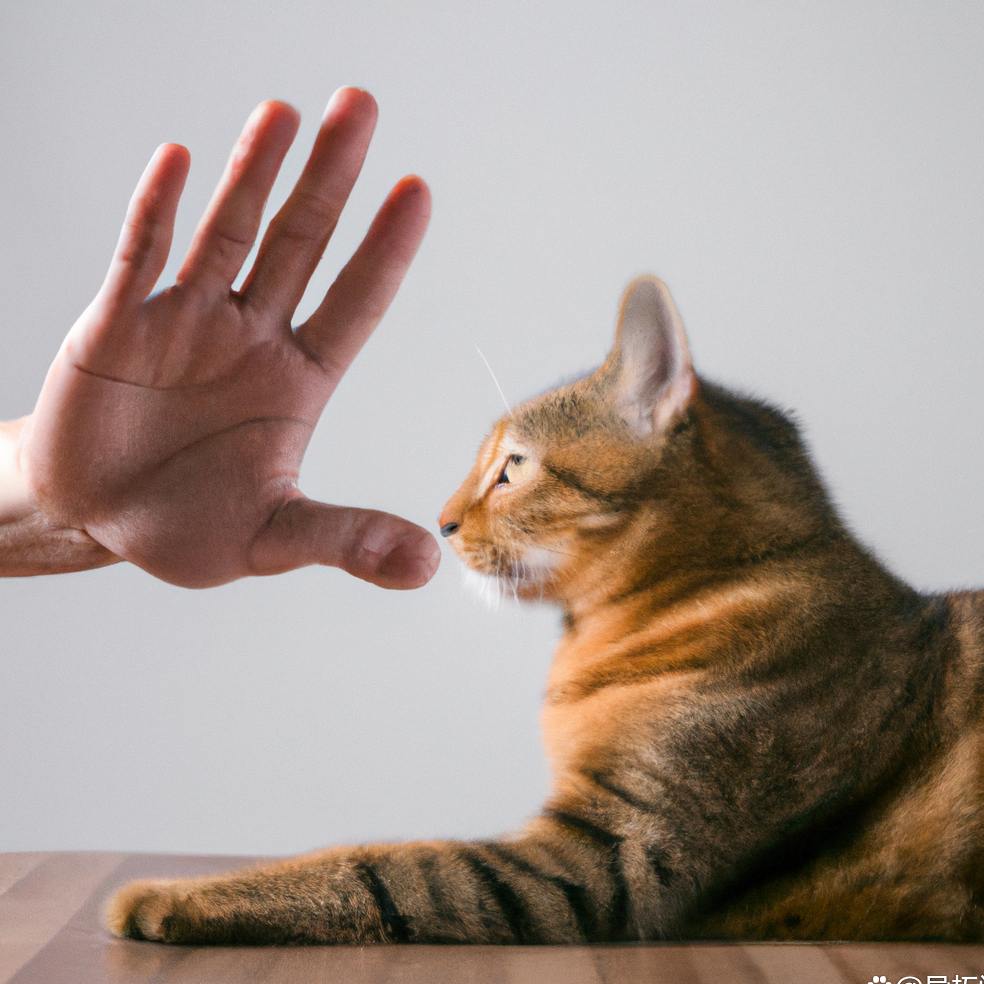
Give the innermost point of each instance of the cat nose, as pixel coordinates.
(448, 528)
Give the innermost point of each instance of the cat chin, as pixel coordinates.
(490, 588)
(494, 588)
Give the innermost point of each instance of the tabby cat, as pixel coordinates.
(756, 731)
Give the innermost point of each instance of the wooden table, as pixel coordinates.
(51, 933)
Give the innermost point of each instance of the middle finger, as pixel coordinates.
(229, 226)
(298, 234)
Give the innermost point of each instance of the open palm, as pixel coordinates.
(171, 428)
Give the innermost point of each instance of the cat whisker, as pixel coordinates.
(485, 586)
(494, 380)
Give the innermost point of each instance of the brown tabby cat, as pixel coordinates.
(756, 731)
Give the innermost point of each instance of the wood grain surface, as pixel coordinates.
(51, 932)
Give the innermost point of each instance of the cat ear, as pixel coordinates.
(651, 359)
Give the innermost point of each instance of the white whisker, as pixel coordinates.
(487, 587)
(494, 380)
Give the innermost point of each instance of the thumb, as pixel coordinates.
(375, 546)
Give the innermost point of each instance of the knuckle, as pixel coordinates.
(138, 246)
(307, 216)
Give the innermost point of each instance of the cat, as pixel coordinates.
(756, 731)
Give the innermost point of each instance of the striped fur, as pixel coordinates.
(755, 730)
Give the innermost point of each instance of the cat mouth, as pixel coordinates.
(533, 568)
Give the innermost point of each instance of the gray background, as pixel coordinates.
(808, 180)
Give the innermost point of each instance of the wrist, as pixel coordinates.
(16, 501)
(29, 542)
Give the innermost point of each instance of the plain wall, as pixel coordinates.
(806, 177)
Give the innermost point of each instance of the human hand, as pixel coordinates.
(170, 429)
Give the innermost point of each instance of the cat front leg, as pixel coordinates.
(541, 887)
(322, 899)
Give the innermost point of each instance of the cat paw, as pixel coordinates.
(146, 910)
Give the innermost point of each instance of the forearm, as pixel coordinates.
(29, 542)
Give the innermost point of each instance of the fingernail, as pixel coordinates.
(336, 97)
(331, 102)
(363, 97)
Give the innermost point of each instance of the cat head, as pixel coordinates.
(638, 472)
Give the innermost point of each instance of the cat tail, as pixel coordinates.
(558, 881)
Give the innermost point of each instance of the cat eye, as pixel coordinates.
(515, 467)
